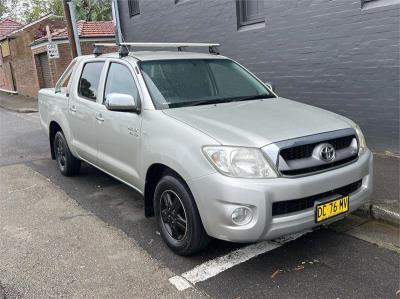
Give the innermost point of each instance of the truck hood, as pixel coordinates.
(259, 122)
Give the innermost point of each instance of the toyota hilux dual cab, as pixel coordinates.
(214, 151)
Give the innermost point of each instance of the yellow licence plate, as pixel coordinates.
(332, 208)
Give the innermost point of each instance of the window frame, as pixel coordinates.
(240, 13)
(133, 8)
(80, 77)
(110, 62)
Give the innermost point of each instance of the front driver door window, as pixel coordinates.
(120, 80)
(119, 146)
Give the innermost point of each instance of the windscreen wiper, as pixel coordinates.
(236, 99)
(219, 101)
(253, 97)
(199, 103)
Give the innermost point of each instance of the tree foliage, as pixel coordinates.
(3, 9)
(34, 9)
(93, 10)
(30, 10)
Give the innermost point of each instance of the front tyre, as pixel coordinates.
(67, 163)
(178, 218)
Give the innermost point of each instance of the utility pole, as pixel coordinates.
(70, 30)
(116, 22)
(74, 27)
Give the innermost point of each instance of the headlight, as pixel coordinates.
(241, 162)
(361, 140)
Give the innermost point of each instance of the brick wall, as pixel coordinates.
(5, 72)
(87, 48)
(331, 54)
(5, 75)
(3, 78)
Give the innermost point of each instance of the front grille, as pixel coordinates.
(294, 205)
(301, 171)
(305, 151)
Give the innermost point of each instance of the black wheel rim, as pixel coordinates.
(173, 215)
(60, 153)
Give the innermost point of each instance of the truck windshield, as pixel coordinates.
(191, 82)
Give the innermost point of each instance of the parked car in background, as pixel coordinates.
(214, 151)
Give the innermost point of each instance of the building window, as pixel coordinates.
(250, 12)
(133, 6)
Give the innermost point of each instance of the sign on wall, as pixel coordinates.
(52, 51)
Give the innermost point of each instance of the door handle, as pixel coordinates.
(99, 117)
(72, 108)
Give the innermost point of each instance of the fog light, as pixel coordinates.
(242, 216)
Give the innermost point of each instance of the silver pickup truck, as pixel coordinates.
(214, 151)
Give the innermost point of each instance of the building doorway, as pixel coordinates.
(44, 74)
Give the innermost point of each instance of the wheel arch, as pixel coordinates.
(54, 127)
(153, 175)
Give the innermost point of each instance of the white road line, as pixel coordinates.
(180, 283)
(215, 266)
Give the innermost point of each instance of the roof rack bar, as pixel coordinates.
(123, 47)
(105, 45)
(212, 47)
(98, 49)
(170, 45)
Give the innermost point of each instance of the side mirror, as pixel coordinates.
(270, 86)
(120, 102)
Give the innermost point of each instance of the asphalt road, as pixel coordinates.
(21, 138)
(327, 263)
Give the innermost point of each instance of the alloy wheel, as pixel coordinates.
(173, 215)
(60, 153)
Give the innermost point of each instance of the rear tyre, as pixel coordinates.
(178, 218)
(67, 163)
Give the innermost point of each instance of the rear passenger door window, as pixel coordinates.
(89, 81)
(120, 80)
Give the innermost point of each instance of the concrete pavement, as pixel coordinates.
(18, 103)
(51, 247)
(2, 294)
(385, 202)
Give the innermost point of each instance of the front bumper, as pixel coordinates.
(218, 195)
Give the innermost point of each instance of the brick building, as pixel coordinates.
(6, 71)
(340, 55)
(25, 67)
(50, 69)
(18, 58)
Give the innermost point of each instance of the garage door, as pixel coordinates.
(45, 80)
